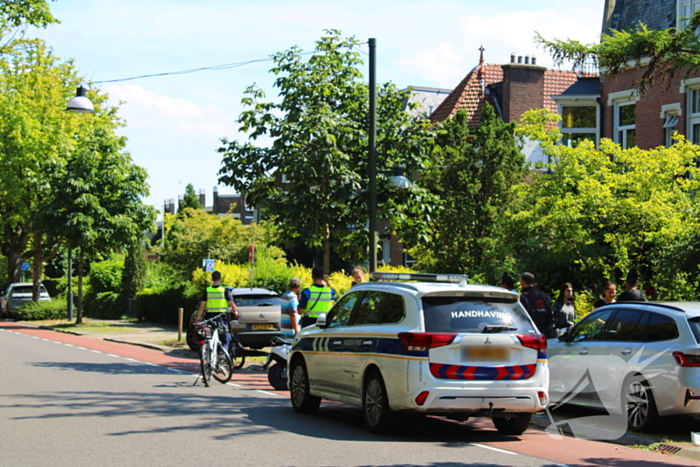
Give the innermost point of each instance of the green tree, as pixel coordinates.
(662, 52)
(194, 235)
(15, 13)
(190, 200)
(473, 178)
(612, 209)
(319, 134)
(97, 191)
(135, 270)
(35, 133)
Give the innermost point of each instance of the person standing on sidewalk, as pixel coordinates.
(316, 299)
(631, 294)
(538, 305)
(217, 301)
(289, 322)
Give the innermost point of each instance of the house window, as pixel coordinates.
(625, 124)
(694, 115)
(686, 8)
(579, 122)
(624, 104)
(670, 127)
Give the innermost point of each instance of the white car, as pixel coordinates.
(634, 360)
(434, 347)
(17, 294)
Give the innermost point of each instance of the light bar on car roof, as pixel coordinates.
(400, 276)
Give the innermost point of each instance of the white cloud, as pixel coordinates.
(151, 111)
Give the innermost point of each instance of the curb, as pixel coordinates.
(61, 330)
(542, 421)
(140, 344)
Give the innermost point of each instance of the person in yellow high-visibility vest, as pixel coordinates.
(316, 299)
(216, 299)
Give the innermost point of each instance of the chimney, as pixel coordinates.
(180, 197)
(534, 60)
(523, 88)
(202, 198)
(512, 57)
(215, 201)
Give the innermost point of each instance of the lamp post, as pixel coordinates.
(398, 181)
(371, 161)
(79, 104)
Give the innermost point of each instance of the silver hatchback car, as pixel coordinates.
(635, 360)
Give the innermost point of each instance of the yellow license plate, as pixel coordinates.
(485, 353)
(263, 326)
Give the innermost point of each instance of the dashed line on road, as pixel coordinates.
(486, 446)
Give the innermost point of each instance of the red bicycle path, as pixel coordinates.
(534, 442)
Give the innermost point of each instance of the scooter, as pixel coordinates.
(277, 373)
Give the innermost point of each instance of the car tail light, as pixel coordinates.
(421, 398)
(542, 396)
(684, 359)
(422, 341)
(533, 341)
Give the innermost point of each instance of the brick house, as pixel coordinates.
(516, 87)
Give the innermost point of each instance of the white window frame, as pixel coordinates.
(616, 100)
(670, 114)
(686, 8)
(579, 101)
(690, 87)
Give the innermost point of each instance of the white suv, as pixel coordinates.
(436, 347)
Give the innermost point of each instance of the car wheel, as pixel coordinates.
(639, 404)
(302, 400)
(375, 403)
(277, 376)
(513, 425)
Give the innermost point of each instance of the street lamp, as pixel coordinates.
(398, 181)
(79, 104)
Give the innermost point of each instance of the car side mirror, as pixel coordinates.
(321, 320)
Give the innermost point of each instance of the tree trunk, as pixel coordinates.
(16, 245)
(327, 249)
(79, 318)
(37, 266)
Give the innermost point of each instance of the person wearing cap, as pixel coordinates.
(316, 299)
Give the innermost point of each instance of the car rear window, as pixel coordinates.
(695, 327)
(460, 314)
(23, 289)
(257, 300)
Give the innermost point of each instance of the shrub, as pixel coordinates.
(160, 306)
(105, 305)
(44, 310)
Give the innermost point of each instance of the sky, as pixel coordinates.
(174, 123)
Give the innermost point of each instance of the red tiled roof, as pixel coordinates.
(469, 94)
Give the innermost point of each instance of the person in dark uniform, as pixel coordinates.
(538, 305)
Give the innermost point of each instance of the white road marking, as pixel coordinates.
(485, 446)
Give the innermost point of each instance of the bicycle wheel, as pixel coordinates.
(205, 362)
(237, 353)
(224, 366)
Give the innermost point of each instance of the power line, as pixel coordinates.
(206, 68)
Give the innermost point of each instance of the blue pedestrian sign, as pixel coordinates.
(208, 265)
(24, 267)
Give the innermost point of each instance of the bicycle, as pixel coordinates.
(213, 357)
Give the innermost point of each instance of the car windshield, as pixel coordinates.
(695, 327)
(23, 289)
(460, 314)
(257, 300)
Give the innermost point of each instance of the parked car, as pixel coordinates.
(640, 360)
(17, 294)
(259, 317)
(435, 347)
